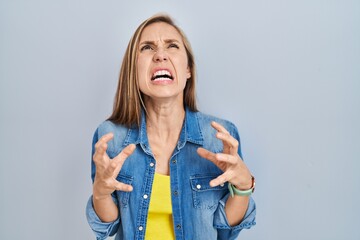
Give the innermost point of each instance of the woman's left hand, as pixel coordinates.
(229, 161)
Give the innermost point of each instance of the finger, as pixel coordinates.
(219, 127)
(100, 152)
(123, 187)
(112, 170)
(206, 154)
(125, 153)
(101, 147)
(230, 143)
(118, 161)
(222, 179)
(101, 159)
(222, 157)
(104, 139)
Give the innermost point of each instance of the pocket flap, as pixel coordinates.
(201, 183)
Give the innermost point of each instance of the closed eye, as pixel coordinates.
(173, 45)
(146, 47)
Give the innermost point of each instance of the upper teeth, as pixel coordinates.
(161, 72)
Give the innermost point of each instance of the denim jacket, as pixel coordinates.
(197, 209)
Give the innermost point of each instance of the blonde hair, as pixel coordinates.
(128, 102)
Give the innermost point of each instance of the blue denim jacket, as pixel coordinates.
(198, 209)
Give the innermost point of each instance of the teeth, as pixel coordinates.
(162, 72)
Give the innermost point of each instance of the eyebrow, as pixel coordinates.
(153, 42)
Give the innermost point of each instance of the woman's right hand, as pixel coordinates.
(108, 169)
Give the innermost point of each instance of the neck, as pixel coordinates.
(164, 119)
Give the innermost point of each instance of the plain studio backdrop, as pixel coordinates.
(287, 73)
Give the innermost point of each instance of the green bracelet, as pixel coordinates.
(234, 191)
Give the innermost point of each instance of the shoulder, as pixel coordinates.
(205, 120)
(108, 126)
(209, 133)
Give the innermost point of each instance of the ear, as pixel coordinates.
(188, 73)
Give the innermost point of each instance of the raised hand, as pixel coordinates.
(107, 169)
(229, 161)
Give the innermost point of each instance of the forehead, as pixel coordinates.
(160, 31)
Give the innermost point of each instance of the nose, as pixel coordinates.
(160, 55)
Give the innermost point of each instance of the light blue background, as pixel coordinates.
(287, 73)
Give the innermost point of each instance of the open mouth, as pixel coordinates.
(162, 75)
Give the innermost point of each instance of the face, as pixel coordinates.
(162, 65)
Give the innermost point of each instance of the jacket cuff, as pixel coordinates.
(101, 229)
(221, 222)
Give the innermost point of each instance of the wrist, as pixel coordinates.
(234, 190)
(247, 182)
(100, 197)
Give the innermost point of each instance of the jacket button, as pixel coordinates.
(198, 186)
(174, 161)
(152, 164)
(145, 196)
(176, 193)
(141, 228)
(178, 226)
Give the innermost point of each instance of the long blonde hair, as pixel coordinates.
(128, 102)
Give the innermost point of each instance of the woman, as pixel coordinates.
(161, 169)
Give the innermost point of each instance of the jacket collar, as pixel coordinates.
(190, 132)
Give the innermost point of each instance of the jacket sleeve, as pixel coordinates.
(101, 229)
(225, 231)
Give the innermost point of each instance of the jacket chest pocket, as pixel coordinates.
(122, 196)
(205, 196)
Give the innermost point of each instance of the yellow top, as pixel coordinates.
(159, 222)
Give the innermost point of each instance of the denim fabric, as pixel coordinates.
(198, 209)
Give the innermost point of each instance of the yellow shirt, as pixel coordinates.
(159, 222)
